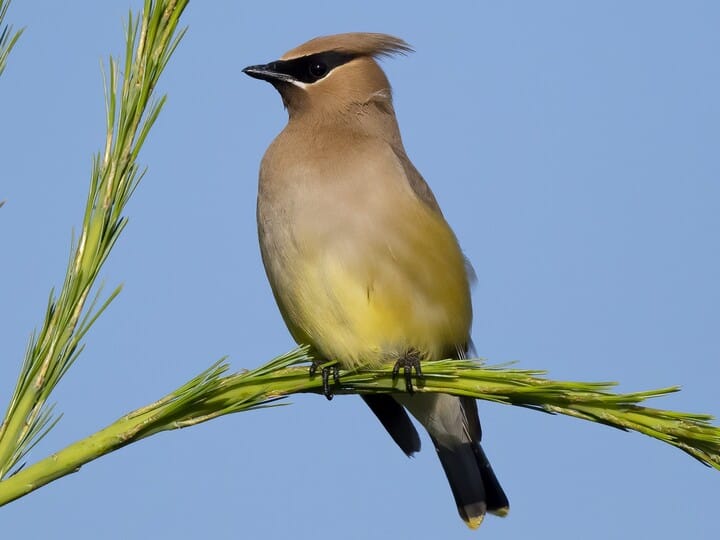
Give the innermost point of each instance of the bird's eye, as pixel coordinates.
(318, 69)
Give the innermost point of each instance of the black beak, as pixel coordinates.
(267, 72)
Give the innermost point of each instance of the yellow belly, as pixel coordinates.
(364, 297)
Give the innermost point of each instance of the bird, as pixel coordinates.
(361, 261)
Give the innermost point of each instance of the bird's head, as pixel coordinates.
(332, 74)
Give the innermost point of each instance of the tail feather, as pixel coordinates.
(393, 417)
(454, 428)
(473, 482)
(496, 500)
(465, 481)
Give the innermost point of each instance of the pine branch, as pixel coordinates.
(211, 394)
(131, 110)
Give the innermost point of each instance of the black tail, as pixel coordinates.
(496, 500)
(393, 417)
(472, 481)
(454, 428)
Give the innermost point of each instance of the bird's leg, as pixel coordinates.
(325, 371)
(408, 361)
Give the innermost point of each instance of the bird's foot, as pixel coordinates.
(325, 371)
(407, 362)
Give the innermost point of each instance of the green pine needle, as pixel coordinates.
(131, 112)
(8, 39)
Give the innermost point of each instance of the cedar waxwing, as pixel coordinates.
(361, 261)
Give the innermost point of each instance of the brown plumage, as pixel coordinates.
(359, 43)
(361, 261)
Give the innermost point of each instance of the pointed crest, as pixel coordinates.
(355, 43)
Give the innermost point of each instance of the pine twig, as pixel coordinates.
(211, 394)
(131, 111)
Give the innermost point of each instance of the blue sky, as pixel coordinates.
(574, 147)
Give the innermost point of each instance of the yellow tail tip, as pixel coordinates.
(474, 522)
(501, 512)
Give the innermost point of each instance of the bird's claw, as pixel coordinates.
(408, 362)
(325, 374)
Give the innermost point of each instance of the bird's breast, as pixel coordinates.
(360, 267)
